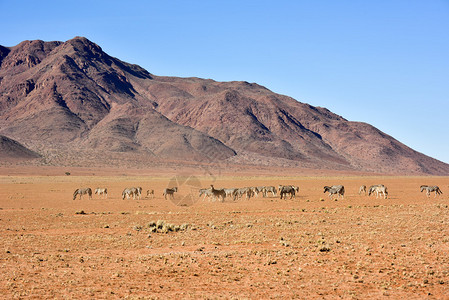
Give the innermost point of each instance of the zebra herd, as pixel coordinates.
(88, 191)
(339, 190)
(248, 192)
(134, 192)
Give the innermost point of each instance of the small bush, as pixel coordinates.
(164, 227)
(325, 249)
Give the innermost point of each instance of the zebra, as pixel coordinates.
(231, 193)
(249, 192)
(287, 189)
(218, 193)
(150, 192)
(335, 189)
(170, 192)
(258, 189)
(205, 192)
(430, 189)
(128, 192)
(82, 192)
(139, 192)
(270, 189)
(102, 191)
(378, 189)
(362, 189)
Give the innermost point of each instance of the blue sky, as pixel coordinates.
(381, 62)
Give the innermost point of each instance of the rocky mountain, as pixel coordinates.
(72, 100)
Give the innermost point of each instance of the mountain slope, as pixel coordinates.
(71, 96)
(12, 150)
(248, 117)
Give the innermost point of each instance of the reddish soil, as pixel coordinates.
(307, 247)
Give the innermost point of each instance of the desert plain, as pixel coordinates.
(310, 247)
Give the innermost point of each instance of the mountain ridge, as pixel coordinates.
(71, 96)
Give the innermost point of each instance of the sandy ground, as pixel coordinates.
(311, 246)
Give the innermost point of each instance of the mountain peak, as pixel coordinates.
(81, 39)
(80, 42)
(81, 46)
